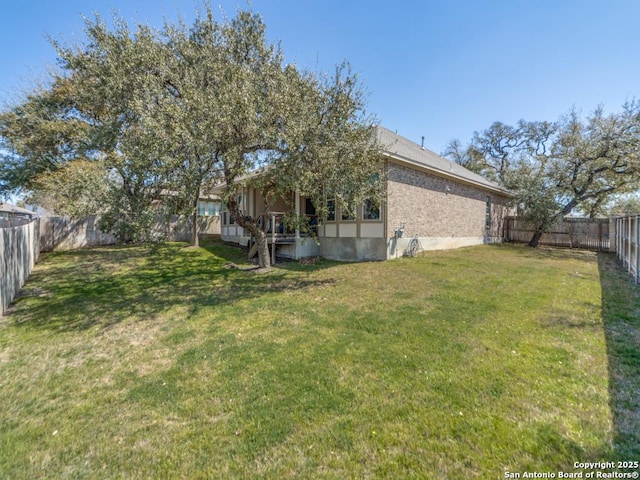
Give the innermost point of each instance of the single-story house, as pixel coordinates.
(429, 203)
(12, 215)
(208, 209)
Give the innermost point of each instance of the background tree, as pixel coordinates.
(556, 168)
(39, 135)
(109, 76)
(75, 189)
(622, 205)
(86, 116)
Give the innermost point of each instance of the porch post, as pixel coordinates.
(273, 239)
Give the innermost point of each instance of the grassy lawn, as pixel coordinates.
(141, 362)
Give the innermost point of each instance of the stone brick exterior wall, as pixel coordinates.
(433, 206)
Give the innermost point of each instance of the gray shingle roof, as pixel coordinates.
(13, 209)
(405, 150)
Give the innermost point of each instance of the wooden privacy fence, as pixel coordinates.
(21, 244)
(627, 243)
(19, 250)
(587, 233)
(63, 233)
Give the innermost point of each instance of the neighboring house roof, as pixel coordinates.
(408, 152)
(14, 210)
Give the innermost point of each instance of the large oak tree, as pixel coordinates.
(556, 168)
(183, 108)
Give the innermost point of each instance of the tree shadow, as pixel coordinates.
(546, 252)
(104, 286)
(621, 318)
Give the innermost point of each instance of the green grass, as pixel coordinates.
(141, 362)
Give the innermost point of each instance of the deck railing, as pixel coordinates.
(277, 232)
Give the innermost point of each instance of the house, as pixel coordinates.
(209, 207)
(11, 215)
(429, 203)
(208, 210)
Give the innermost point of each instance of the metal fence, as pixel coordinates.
(587, 233)
(627, 244)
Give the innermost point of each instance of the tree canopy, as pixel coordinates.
(555, 168)
(185, 107)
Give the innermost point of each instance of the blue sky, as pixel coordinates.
(438, 69)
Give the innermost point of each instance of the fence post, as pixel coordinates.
(619, 233)
(616, 239)
(570, 233)
(627, 244)
(600, 241)
(637, 251)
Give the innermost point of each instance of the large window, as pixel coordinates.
(208, 208)
(370, 211)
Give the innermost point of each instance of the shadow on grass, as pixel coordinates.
(547, 252)
(103, 286)
(621, 317)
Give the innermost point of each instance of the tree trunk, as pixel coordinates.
(548, 222)
(536, 237)
(264, 259)
(195, 240)
(252, 225)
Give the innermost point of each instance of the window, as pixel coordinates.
(331, 210)
(487, 221)
(348, 214)
(208, 208)
(370, 211)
